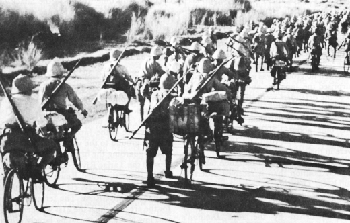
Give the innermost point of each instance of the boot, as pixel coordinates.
(168, 174)
(168, 159)
(150, 179)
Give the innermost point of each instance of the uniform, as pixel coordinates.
(158, 133)
(12, 137)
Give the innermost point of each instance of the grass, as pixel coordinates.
(168, 19)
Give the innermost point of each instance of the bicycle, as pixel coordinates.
(346, 65)
(186, 120)
(118, 117)
(23, 167)
(52, 171)
(279, 66)
(57, 129)
(218, 111)
(196, 143)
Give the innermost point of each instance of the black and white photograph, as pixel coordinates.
(175, 111)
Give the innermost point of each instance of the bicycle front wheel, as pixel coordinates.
(127, 122)
(218, 134)
(27, 193)
(13, 198)
(76, 155)
(113, 124)
(38, 194)
(201, 156)
(346, 66)
(279, 78)
(51, 174)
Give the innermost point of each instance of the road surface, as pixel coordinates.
(302, 130)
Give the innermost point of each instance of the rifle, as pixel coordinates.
(18, 116)
(239, 52)
(211, 76)
(158, 104)
(111, 70)
(165, 44)
(232, 39)
(54, 92)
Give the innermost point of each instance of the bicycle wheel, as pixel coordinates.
(192, 159)
(126, 122)
(38, 193)
(313, 63)
(51, 174)
(278, 79)
(113, 123)
(76, 155)
(185, 159)
(201, 155)
(27, 193)
(346, 66)
(218, 134)
(13, 199)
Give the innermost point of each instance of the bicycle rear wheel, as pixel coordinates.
(76, 155)
(13, 198)
(38, 194)
(113, 124)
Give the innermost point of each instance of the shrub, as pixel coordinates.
(165, 20)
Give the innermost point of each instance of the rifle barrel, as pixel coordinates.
(111, 70)
(54, 92)
(18, 115)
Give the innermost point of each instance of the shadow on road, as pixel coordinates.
(323, 72)
(266, 200)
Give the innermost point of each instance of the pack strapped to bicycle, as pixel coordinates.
(185, 115)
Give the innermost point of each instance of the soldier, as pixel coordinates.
(346, 43)
(192, 59)
(315, 45)
(289, 40)
(269, 38)
(151, 70)
(158, 133)
(13, 138)
(279, 51)
(213, 37)
(208, 45)
(58, 103)
(119, 80)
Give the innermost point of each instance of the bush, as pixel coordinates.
(166, 20)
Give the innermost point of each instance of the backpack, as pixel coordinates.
(120, 83)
